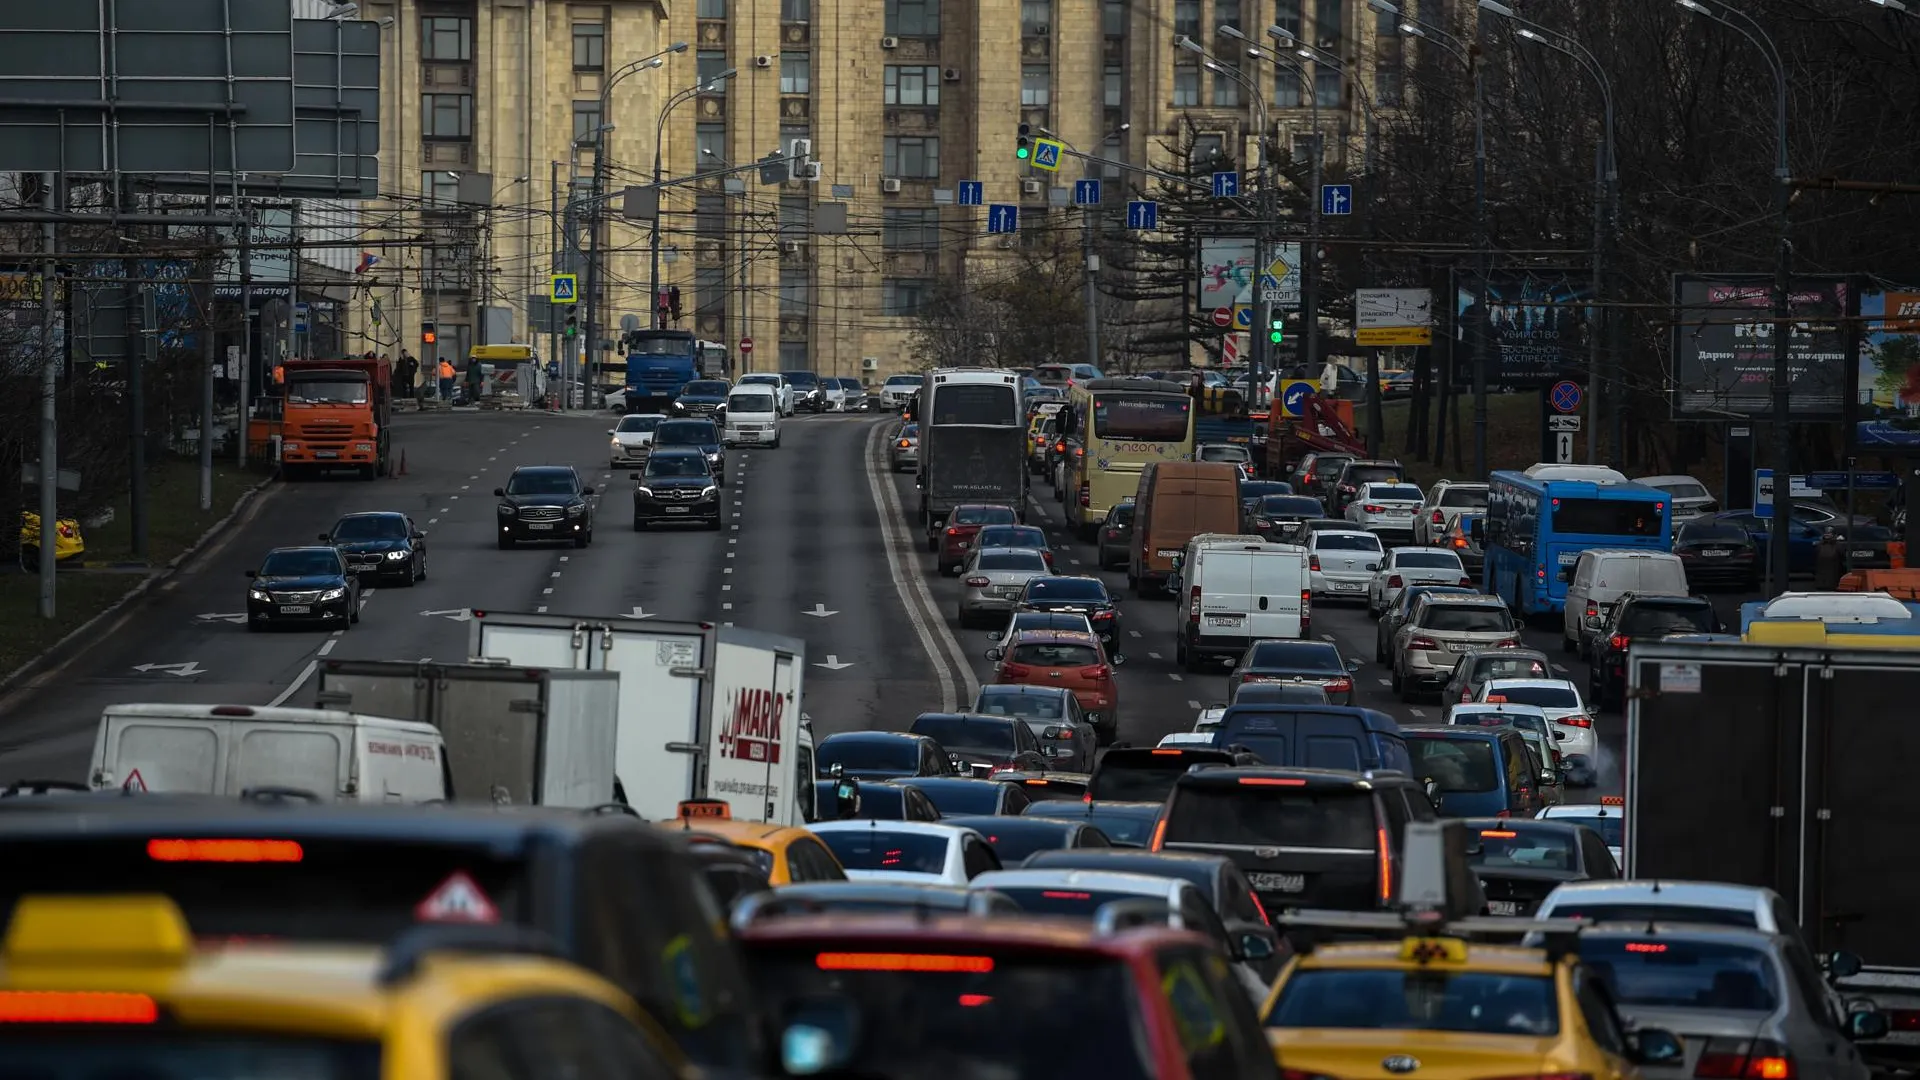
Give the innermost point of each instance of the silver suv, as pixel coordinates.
(1441, 629)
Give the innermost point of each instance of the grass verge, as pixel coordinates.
(174, 521)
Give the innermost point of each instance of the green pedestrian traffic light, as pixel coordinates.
(1024, 148)
(573, 325)
(1277, 331)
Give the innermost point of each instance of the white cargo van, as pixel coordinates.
(753, 417)
(1235, 590)
(1601, 576)
(232, 749)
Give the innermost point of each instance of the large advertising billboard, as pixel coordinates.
(1886, 410)
(1537, 322)
(1723, 346)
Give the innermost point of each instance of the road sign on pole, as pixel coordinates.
(1223, 316)
(1003, 218)
(1143, 214)
(1046, 154)
(1565, 396)
(1336, 200)
(1563, 423)
(1226, 184)
(1086, 192)
(563, 289)
(746, 346)
(1563, 447)
(1243, 316)
(1763, 493)
(972, 193)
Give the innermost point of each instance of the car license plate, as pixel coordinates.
(326, 453)
(1460, 647)
(1166, 553)
(748, 436)
(678, 509)
(1503, 907)
(296, 609)
(1716, 553)
(1346, 586)
(539, 524)
(1279, 882)
(1225, 620)
(1864, 554)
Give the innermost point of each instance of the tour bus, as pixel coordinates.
(1121, 424)
(1537, 525)
(973, 443)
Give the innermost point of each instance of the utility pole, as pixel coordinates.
(49, 397)
(1480, 242)
(207, 358)
(564, 363)
(137, 301)
(246, 323)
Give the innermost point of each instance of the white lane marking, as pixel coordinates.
(1135, 633)
(727, 570)
(564, 558)
(546, 592)
(1386, 682)
(1326, 637)
(733, 539)
(1418, 712)
(294, 686)
(542, 609)
(1075, 562)
(726, 588)
(433, 521)
(1559, 669)
(1175, 676)
(728, 606)
(327, 645)
(1192, 704)
(915, 597)
(1153, 656)
(556, 573)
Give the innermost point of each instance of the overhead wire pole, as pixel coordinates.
(1089, 259)
(49, 399)
(659, 210)
(1777, 549)
(1291, 66)
(1260, 359)
(1310, 250)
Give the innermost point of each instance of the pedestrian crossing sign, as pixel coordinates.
(564, 289)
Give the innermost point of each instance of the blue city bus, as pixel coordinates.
(659, 364)
(1535, 529)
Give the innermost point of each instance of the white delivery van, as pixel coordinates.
(1235, 590)
(233, 749)
(1601, 576)
(753, 416)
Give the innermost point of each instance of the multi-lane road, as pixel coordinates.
(816, 545)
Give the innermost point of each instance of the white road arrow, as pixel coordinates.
(639, 612)
(183, 670)
(456, 614)
(224, 616)
(819, 611)
(833, 663)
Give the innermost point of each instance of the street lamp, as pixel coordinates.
(705, 86)
(1089, 260)
(1756, 35)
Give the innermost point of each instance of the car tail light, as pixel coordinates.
(1079, 451)
(1393, 581)
(1903, 1019)
(1459, 541)
(1466, 583)
(1386, 864)
(1466, 696)
(1098, 615)
(1059, 448)
(1095, 671)
(1510, 643)
(1576, 721)
(1339, 686)
(1015, 671)
(1592, 612)
(1742, 1059)
(76, 1007)
(1313, 562)
(1548, 1076)
(1417, 642)
(978, 582)
(225, 851)
(1193, 604)
(1373, 508)
(1619, 641)
(1307, 479)
(1438, 517)
(904, 444)
(953, 530)
(1086, 493)
(1306, 611)
(1159, 841)
(1047, 554)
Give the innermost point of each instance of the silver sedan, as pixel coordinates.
(904, 453)
(993, 580)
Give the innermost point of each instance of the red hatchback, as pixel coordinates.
(963, 525)
(942, 995)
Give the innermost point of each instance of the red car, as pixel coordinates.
(956, 538)
(1003, 996)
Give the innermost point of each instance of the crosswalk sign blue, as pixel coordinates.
(972, 193)
(563, 289)
(1143, 214)
(1086, 193)
(1003, 218)
(1046, 154)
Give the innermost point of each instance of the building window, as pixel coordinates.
(446, 37)
(586, 122)
(793, 356)
(911, 156)
(1326, 23)
(708, 66)
(904, 296)
(912, 85)
(1226, 86)
(794, 291)
(1286, 88)
(1326, 87)
(910, 230)
(709, 146)
(1287, 16)
(1226, 13)
(913, 18)
(1113, 86)
(447, 116)
(796, 10)
(1186, 86)
(709, 289)
(589, 46)
(1302, 149)
(1209, 150)
(1113, 18)
(443, 189)
(796, 72)
(1431, 12)
(710, 9)
(1036, 18)
(1115, 155)
(796, 217)
(1034, 82)
(1386, 24)
(710, 215)
(1386, 88)
(1186, 18)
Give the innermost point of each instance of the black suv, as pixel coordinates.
(806, 390)
(544, 502)
(1647, 616)
(676, 487)
(701, 433)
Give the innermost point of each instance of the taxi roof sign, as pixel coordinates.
(134, 930)
(707, 809)
(1426, 950)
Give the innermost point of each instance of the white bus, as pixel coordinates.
(973, 442)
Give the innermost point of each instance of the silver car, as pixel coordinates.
(993, 579)
(1406, 566)
(1386, 508)
(904, 454)
(1340, 563)
(1072, 744)
(1442, 628)
(857, 398)
(631, 439)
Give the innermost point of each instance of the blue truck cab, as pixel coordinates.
(1317, 736)
(659, 364)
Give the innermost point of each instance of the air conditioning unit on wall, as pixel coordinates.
(890, 185)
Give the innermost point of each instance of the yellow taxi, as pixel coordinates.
(1443, 1008)
(115, 986)
(787, 853)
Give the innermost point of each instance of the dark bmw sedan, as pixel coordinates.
(1520, 860)
(545, 502)
(702, 434)
(1280, 519)
(1078, 595)
(302, 586)
(384, 547)
(1717, 553)
(676, 487)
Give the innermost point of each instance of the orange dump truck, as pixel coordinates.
(337, 415)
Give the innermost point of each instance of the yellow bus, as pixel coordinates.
(1122, 424)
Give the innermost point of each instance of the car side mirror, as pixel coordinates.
(1373, 566)
(633, 476)
(253, 573)
(1842, 964)
(1117, 661)
(836, 768)
(417, 535)
(1254, 948)
(499, 493)
(1432, 788)
(1866, 1024)
(996, 654)
(1656, 1046)
(1549, 777)
(609, 431)
(586, 491)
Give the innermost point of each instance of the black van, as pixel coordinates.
(1315, 736)
(619, 897)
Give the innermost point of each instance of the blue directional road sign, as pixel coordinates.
(1293, 396)
(1565, 396)
(1865, 481)
(1003, 218)
(1336, 200)
(1143, 214)
(1226, 184)
(1243, 316)
(972, 193)
(1086, 193)
(563, 289)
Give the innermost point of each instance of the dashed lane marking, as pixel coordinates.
(327, 645)
(1192, 704)
(1175, 676)
(727, 606)
(542, 609)
(1135, 633)
(726, 588)
(1558, 668)
(546, 592)
(1153, 656)
(1386, 682)
(556, 573)
(433, 521)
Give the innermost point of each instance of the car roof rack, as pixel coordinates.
(413, 946)
(20, 788)
(1558, 937)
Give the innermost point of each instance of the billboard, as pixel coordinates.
(1723, 346)
(1226, 271)
(1392, 317)
(1537, 322)
(1886, 412)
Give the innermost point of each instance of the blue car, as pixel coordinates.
(1803, 544)
(1476, 771)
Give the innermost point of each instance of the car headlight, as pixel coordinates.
(396, 556)
(679, 406)
(614, 445)
(709, 491)
(646, 491)
(333, 594)
(505, 509)
(364, 448)
(576, 509)
(713, 455)
(260, 595)
(289, 446)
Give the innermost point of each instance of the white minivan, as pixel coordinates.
(1235, 590)
(1601, 576)
(753, 416)
(232, 749)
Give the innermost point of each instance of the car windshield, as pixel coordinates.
(1466, 618)
(70, 1053)
(1049, 620)
(1545, 695)
(903, 380)
(1456, 765)
(1459, 496)
(1345, 542)
(750, 403)
(1026, 536)
(1067, 588)
(1121, 514)
(638, 422)
(759, 380)
(910, 431)
(1612, 828)
(978, 1016)
(686, 433)
(1710, 531)
(704, 388)
(893, 754)
(803, 380)
(1051, 655)
(1523, 848)
(1646, 913)
(881, 848)
(345, 390)
(542, 483)
(1000, 702)
(371, 527)
(984, 515)
(1290, 506)
(1435, 560)
(1469, 716)
(1014, 842)
(1421, 1000)
(1134, 778)
(1124, 827)
(1297, 656)
(1225, 453)
(676, 465)
(300, 564)
(956, 797)
(1669, 973)
(1646, 620)
(956, 733)
(1260, 489)
(1012, 560)
(1216, 813)
(1279, 694)
(1396, 493)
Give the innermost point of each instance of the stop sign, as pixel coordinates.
(1223, 316)
(746, 345)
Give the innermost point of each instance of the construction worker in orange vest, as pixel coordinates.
(446, 379)
(279, 378)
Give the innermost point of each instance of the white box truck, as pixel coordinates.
(520, 736)
(706, 712)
